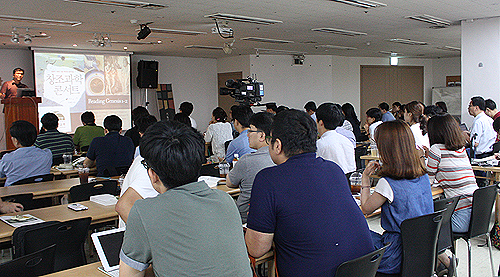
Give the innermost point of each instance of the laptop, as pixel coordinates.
(108, 244)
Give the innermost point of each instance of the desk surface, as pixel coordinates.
(42, 189)
(97, 212)
(89, 270)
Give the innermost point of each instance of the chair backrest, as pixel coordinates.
(36, 264)
(69, 238)
(448, 205)
(419, 240)
(84, 191)
(364, 266)
(26, 199)
(482, 206)
(35, 179)
(115, 171)
(209, 170)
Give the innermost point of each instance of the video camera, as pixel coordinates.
(247, 91)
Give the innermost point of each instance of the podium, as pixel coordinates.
(19, 108)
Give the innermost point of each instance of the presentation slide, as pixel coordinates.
(70, 84)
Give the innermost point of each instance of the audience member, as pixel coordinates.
(112, 151)
(350, 115)
(491, 109)
(187, 108)
(310, 108)
(403, 192)
(86, 133)
(413, 115)
(143, 124)
(346, 125)
(182, 118)
(241, 116)
(27, 160)
(304, 205)
(442, 105)
(218, 132)
(9, 88)
(449, 165)
(243, 173)
(430, 111)
(482, 135)
(386, 114)
(496, 145)
(331, 145)
(188, 226)
(132, 133)
(396, 107)
(58, 143)
(373, 119)
(282, 108)
(271, 108)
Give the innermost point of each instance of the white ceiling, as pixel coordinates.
(298, 16)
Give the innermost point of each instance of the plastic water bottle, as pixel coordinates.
(355, 180)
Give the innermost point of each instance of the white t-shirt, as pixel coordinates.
(218, 133)
(384, 189)
(420, 140)
(372, 128)
(337, 148)
(193, 123)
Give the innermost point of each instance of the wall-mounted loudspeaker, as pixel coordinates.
(147, 74)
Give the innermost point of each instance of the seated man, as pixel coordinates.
(187, 108)
(111, 151)
(304, 205)
(58, 143)
(332, 145)
(27, 160)
(86, 133)
(239, 145)
(243, 173)
(189, 229)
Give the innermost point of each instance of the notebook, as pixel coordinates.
(108, 244)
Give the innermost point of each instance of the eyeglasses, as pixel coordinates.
(254, 131)
(146, 165)
(269, 139)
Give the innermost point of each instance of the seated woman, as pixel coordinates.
(413, 115)
(218, 132)
(351, 117)
(403, 192)
(449, 165)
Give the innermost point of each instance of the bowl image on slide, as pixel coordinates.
(94, 82)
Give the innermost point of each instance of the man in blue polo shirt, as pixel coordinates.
(304, 205)
(111, 151)
(241, 116)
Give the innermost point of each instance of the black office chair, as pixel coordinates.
(25, 199)
(35, 179)
(364, 266)
(445, 238)
(115, 171)
(482, 206)
(69, 238)
(84, 191)
(36, 264)
(419, 236)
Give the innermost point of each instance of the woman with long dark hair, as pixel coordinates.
(350, 115)
(413, 115)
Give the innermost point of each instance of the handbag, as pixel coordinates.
(495, 235)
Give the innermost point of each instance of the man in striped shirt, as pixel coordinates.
(58, 143)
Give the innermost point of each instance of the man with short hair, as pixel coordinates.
(491, 109)
(271, 108)
(9, 88)
(482, 134)
(310, 108)
(386, 114)
(373, 119)
(243, 172)
(187, 108)
(304, 205)
(331, 145)
(189, 229)
(241, 116)
(27, 160)
(58, 143)
(86, 133)
(111, 151)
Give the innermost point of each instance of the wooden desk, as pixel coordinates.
(495, 172)
(89, 270)
(369, 158)
(42, 189)
(98, 213)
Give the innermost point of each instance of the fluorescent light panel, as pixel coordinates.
(407, 41)
(339, 32)
(135, 42)
(366, 4)
(242, 18)
(449, 48)
(176, 32)
(270, 40)
(279, 51)
(121, 3)
(389, 53)
(430, 19)
(338, 47)
(203, 47)
(40, 21)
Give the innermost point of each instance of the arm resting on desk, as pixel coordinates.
(9, 207)
(258, 243)
(126, 202)
(88, 163)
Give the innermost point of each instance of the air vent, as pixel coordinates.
(437, 22)
(203, 47)
(269, 40)
(175, 32)
(267, 50)
(339, 32)
(407, 41)
(449, 48)
(242, 18)
(40, 21)
(365, 4)
(338, 47)
(122, 3)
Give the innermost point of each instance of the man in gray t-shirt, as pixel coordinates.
(245, 170)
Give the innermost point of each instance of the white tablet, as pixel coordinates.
(108, 244)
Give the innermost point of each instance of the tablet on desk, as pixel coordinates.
(108, 244)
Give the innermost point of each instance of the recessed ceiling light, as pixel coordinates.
(75, 45)
(430, 19)
(242, 18)
(176, 32)
(203, 47)
(339, 32)
(159, 41)
(270, 40)
(366, 4)
(125, 47)
(40, 20)
(339, 47)
(122, 3)
(407, 41)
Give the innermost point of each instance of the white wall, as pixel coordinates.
(443, 67)
(480, 44)
(192, 79)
